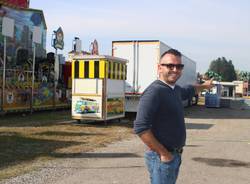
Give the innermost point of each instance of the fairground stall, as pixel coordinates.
(18, 92)
(98, 87)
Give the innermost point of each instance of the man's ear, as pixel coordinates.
(158, 66)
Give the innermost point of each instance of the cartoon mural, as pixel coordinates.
(48, 91)
(115, 106)
(19, 48)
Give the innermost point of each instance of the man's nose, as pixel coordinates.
(175, 69)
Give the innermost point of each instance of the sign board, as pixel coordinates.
(8, 27)
(58, 42)
(37, 35)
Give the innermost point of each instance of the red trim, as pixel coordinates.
(17, 3)
(132, 93)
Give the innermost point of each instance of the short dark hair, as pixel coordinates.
(173, 52)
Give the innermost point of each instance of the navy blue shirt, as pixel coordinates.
(160, 110)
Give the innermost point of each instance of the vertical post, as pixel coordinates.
(137, 66)
(7, 30)
(134, 66)
(4, 68)
(33, 77)
(36, 39)
(54, 96)
(248, 85)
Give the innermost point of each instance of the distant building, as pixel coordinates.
(233, 89)
(228, 89)
(239, 88)
(246, 88)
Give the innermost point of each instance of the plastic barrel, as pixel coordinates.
(212, 100)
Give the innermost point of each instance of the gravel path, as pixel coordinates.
(217, 151)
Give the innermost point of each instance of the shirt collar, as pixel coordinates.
(171, 86)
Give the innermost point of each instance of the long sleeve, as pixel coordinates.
(146, 110)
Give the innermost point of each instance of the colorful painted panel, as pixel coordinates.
(17, 93)
(19, 48)
(115, 106)
(17, 99)
(18, 78)
(43, 95)
(86, 106)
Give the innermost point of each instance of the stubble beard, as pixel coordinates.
(171, 78)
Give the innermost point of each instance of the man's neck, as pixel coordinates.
(170, 85)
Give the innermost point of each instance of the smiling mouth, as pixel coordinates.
(173, 75)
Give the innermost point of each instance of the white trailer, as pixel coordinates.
(143, 56)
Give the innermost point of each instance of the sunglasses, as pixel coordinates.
(172, 66)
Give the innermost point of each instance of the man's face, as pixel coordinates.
(170, 68)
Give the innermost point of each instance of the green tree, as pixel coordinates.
(223, 68)
(243, 76)
(210, 74)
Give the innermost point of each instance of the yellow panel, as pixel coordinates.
(102, 69)
(91, 69)
(73, 69)
(124, 72)
(120, 71)
(81, 69)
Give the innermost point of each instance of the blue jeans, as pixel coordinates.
(162, 172)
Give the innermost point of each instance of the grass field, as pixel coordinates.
(27, 141)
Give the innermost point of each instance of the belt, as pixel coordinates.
(172, 150)
(175, 150)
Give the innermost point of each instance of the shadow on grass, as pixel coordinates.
(15, 148)
(59, 133)
(37, 119)
(202, 112)
(96, 155)
(51, 118)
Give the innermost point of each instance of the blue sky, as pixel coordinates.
(203, 30)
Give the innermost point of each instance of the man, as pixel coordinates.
(160, 119)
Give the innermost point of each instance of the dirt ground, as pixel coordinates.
(27, 141)
(217, 151)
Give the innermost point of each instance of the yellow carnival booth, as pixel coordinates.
(98, 87)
